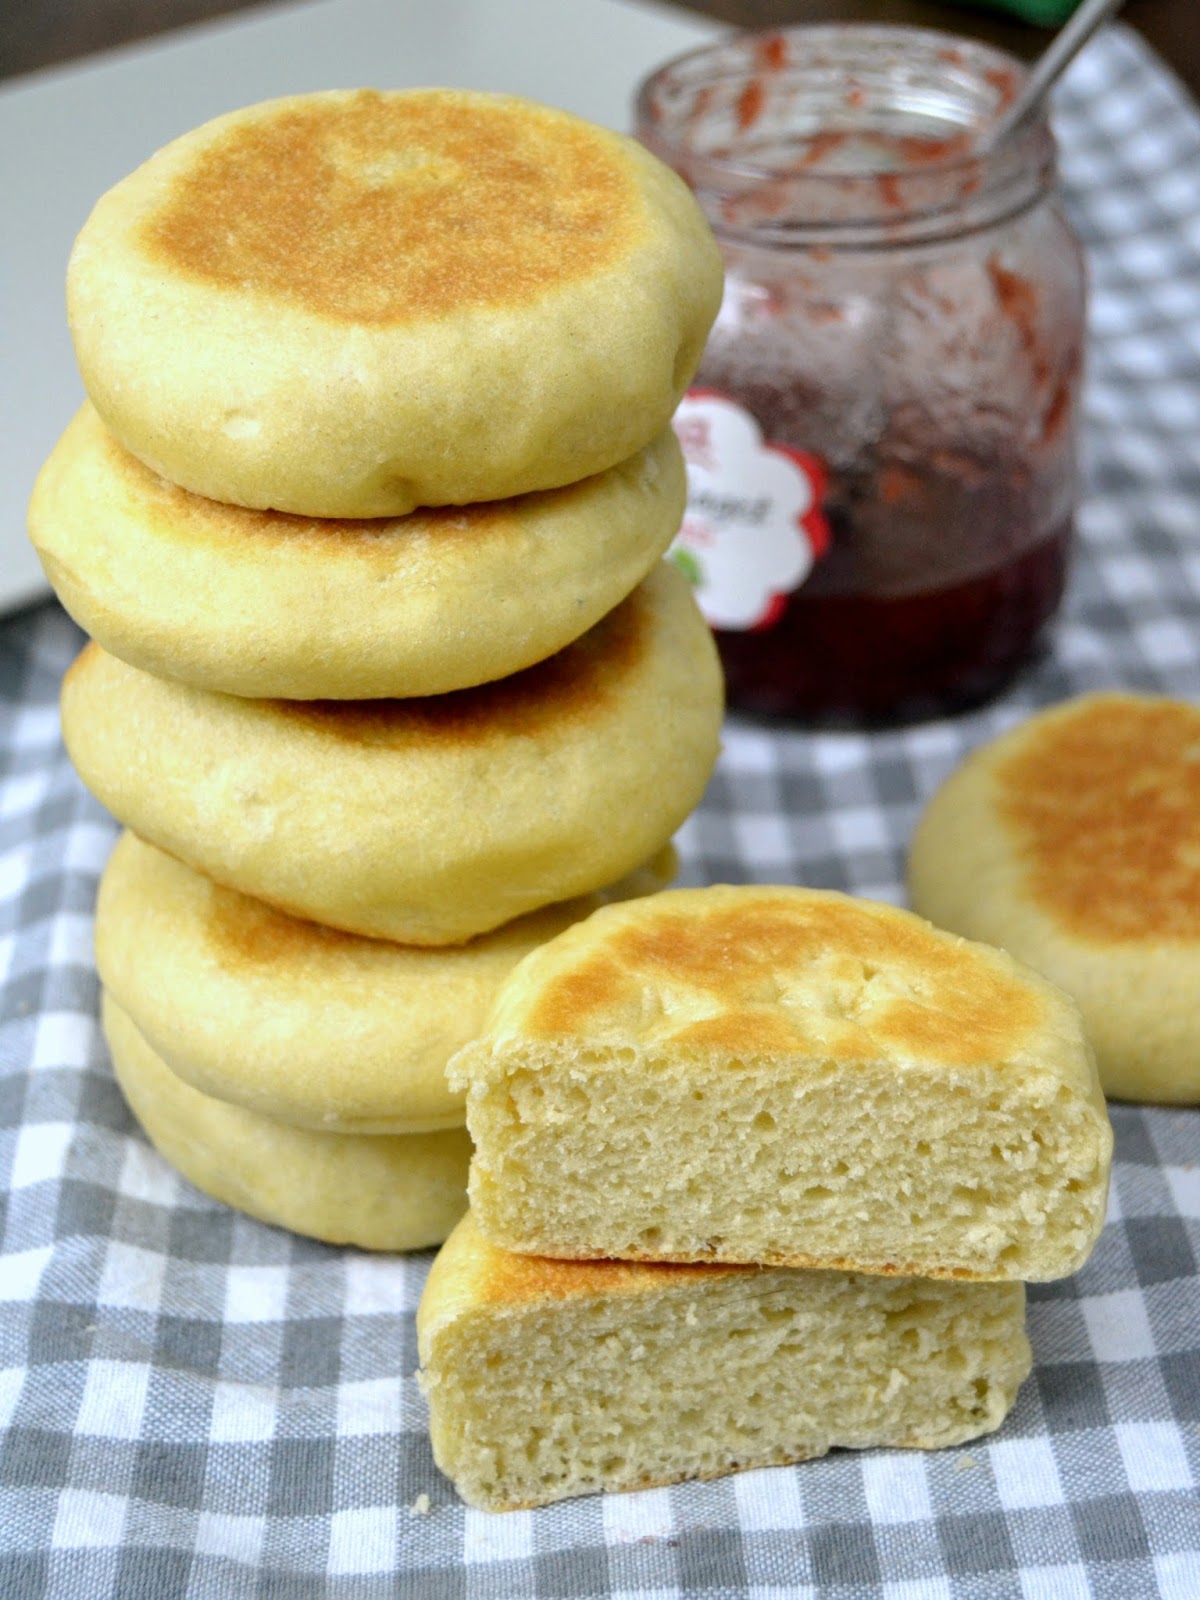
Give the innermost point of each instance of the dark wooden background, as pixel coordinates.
(41, 33)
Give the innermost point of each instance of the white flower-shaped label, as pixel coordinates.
(754, 524)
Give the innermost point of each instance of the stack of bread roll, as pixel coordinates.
(758, 1172)
(387, 681)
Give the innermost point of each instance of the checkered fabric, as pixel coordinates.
(197, 1406)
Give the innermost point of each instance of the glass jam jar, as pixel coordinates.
(881, 435)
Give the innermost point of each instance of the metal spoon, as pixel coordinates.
(1061, 50)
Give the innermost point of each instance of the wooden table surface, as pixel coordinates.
(34, 35)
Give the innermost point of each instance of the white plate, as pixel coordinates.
(70, 133)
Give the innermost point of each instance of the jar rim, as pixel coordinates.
(959, 83)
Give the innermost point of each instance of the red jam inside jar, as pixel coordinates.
(881, 436)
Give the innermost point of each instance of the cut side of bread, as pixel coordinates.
(547, 1379)
(785, 1077)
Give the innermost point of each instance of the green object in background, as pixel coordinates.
(1050, 13)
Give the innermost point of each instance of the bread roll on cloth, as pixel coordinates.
(554, 1378)
(353, 303)
(1074, 842)
(298, 1022)
(424, 821)
(261, 603)
(789, 1077)
(376, 1191)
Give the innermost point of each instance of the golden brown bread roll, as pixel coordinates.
(299, 1022)
(1074, 842)
(261, 603)
(554, 1378)
(377, 1191)
(353, 303)
(785, 1076)
(424, 821)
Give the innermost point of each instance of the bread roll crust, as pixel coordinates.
(266, 604)
(353, 303)
(375, 1191)
(352, 813)
(1074, 842)
(296, 1021)
(547, 1379)
(837, 1083)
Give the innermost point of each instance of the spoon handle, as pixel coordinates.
(1062, 49)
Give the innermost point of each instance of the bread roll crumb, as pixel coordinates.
(547, 1379)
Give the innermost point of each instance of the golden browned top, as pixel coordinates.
(244, 934)
(236, 931)
(176, 514)
(574, 686)
(146, 889)
(384, 208)
(750, 971)
(499, 1277)
(580, 683)
(1103, 803)
(515, 1280)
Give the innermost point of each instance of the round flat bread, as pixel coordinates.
(353, 303)
(1074, 842)
(376, 1191)
(299, 1022)
(423, 821)
(261, 603)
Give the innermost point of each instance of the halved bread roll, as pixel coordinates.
(789, 1077)
(547, 1379)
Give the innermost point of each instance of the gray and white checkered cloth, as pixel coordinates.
(197, 1406)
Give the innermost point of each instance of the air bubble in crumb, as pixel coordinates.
(965, 1464)
(420, 1506)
